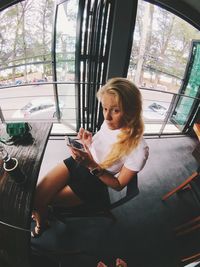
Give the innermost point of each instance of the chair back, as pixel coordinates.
(131, 192)
(132, 187)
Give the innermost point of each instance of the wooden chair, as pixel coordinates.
(193, 183)
(188, 183)
(191, 259)
(62, 213)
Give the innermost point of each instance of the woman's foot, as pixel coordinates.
(120, 263)
(33, 217)
(38, 230)
(41, 223)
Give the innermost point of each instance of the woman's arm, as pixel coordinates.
(85, 158)
(117, 183)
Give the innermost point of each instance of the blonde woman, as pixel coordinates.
(110, 160)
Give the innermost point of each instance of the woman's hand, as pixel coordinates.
(85, 136)
(83, 157)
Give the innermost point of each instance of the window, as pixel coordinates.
(160, 53)
(25, 42)
(161, 47)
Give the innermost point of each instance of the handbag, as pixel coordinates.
(19, 133)
(18, 129)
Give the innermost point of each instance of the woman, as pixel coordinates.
(110, 158)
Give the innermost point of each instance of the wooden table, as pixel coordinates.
(16, 199)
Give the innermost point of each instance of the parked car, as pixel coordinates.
(42, 108)
(155, 111)
(158, 108)
(18, 82)
(39, 80)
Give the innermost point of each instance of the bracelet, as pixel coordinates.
(97, 171)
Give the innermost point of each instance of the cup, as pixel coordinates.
(12, 167)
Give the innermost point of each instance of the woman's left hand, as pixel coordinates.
(83, 157)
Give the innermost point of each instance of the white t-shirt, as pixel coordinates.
(101, 145)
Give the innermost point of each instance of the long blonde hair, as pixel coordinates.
(129, 100)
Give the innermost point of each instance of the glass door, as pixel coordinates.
(81, 48)
(187, 105)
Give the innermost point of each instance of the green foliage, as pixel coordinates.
(26, 32)
(169, 41)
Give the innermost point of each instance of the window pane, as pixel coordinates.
(66, 40)
(25, 42)
(160, 50)
(159, 56)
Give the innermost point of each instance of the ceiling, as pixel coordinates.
(6, 3)
(187, 9)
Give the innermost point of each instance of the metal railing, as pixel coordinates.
(158, 106)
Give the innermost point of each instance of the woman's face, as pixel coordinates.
(112, 113)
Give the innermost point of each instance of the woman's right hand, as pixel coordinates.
(85, 136)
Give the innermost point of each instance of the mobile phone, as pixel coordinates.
(73, 143)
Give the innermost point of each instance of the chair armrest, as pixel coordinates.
(132, 191)
(124, 199)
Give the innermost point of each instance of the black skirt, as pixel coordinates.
(88, 187)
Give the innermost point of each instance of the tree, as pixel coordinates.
(161, 43)
(143, 43)
(45, 11)
(26, 33)
(25, 6)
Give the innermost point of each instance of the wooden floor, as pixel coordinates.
(144, 232)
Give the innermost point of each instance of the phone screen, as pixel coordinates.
(72, 142)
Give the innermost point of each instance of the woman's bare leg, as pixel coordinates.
(66, 198)
(53, 189)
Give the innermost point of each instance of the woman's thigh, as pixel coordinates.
(53, 182)
(67, 198)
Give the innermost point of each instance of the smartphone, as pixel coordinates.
(73, 143)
